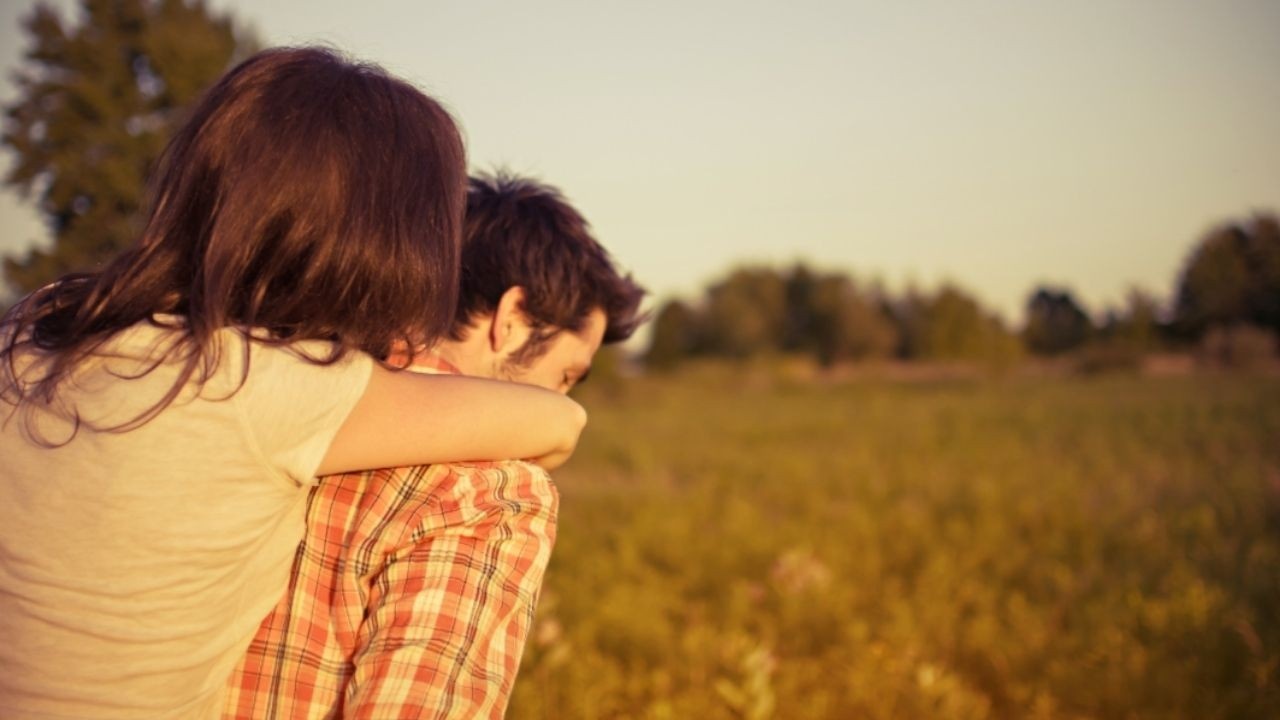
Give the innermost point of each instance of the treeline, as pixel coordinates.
(97, 98)
(1226, 303)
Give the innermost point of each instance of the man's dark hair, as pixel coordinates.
(520, 232)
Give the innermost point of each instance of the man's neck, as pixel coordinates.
(467, 355)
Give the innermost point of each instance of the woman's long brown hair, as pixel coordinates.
(306, 195)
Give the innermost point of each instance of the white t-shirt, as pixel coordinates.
(136, 566)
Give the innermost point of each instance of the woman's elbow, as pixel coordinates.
(577, 423)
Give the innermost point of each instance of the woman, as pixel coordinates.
(164, 417)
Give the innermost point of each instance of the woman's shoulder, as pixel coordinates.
(162, 351)
(167, 339)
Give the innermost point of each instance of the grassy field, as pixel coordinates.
(738, 545)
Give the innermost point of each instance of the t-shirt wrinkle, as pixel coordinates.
(255, 448)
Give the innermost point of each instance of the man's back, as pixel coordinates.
(411, 596)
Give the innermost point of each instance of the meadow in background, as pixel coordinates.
(739, 543)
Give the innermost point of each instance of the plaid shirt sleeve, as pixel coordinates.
(449, 611)
(411, 596)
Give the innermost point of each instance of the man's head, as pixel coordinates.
(539, 295)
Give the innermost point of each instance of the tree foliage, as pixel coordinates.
(832, 319)
(746, 313)
(828, 316)
(1232, 277)
(97, 102)
(1137, 325)
(675, 335)
(952, 325)
(759, 310)
(1055, 322)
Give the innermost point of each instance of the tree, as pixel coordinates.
(952, 325)
(1137, 326)
(829, 317)
(1232, 277)
(798, 330)
(1055, 322)
(96, 105)
(675, 335)
(746, 313)
(846, 324)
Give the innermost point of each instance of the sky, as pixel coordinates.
(997, 145)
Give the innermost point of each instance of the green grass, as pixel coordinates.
(733, 545)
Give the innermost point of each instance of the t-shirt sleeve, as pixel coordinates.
(293, 407)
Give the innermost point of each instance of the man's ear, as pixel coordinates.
(510, 329)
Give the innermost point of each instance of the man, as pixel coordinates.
(414, 589)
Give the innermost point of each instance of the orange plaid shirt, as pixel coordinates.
(411, 595)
